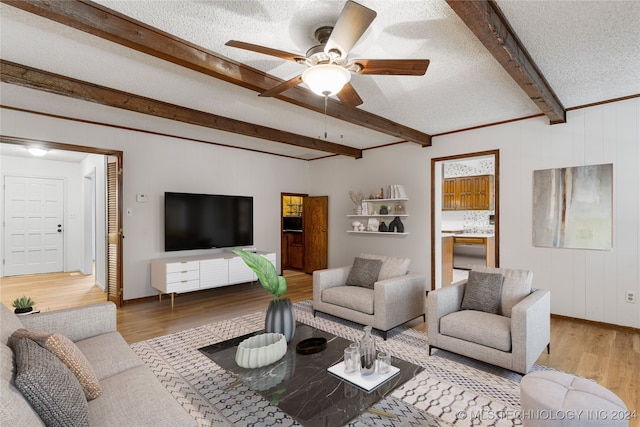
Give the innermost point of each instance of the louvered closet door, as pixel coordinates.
(114, 246)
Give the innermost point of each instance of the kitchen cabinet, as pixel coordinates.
(447, 260)
(468, 193)
(478, 244)
(293, 250)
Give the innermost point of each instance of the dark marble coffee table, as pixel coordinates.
(301, 386)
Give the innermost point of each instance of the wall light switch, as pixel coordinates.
(142, 198)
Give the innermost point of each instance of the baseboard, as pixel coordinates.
(595, 322)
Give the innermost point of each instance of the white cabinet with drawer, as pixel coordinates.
(214, 273)
(177, 275)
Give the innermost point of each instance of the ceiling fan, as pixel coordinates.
(329, 69)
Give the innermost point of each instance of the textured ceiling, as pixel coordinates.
(587, 51)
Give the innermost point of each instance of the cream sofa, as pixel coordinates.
(397, 295)
(512, 338)
(131, 393)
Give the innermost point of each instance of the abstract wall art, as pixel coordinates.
(572, 207)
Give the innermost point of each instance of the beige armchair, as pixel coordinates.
(513, 337)
(394, 297)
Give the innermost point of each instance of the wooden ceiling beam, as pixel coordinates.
(485, 19)
(108, 24)
(53, 83)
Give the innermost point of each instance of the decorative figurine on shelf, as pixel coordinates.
(356, 198)
(396, 225)
(356, 225)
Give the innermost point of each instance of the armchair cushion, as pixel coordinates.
(391, 266)
(351, 297)
(483, 292)
(515, 287)
(482, 328)
(364, 272)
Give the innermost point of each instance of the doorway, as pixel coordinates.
(441, 202)
(113, 262)
(304, 225)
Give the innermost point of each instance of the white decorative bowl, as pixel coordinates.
(261, 350)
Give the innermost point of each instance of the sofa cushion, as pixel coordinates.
(515, 287)
(15, 410)
(9, 322)
(364, 272)
(352, 297)
(489, 330)
(69, 354)
(482, 292)
(109, 354)
(49, 386)
(137, 398)
(391, 266)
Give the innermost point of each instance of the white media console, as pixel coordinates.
(193, 273)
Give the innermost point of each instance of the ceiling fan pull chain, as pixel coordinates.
(325, 116)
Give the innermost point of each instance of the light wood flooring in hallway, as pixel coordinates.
(608, 354)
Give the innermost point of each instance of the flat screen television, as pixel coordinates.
(206, 221)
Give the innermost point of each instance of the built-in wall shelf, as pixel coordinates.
(371, 213)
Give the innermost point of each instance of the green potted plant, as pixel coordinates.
(23, 304)
(280, 317)
(384, 209)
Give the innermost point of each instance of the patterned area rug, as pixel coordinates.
(452, 390)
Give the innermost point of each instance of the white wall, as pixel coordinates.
(154, 164)
(70, 173)
(97, 163)
(584, 283)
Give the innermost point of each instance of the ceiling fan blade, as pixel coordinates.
(349, 97)
(391, 67)
(282, 86)
(267, 51)
(351, 25)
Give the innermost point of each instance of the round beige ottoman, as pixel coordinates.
(552, 398)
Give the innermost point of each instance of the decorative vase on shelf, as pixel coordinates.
(383, 227)
(396, 225)
(281, 318)
(367, 352)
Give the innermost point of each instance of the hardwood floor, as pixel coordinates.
(608, 354)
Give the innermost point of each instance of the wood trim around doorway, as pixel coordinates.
(434, 232)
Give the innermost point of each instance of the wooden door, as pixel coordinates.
(315, 225)
(114, 233)
(34, 226)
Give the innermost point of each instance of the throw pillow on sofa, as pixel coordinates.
(49, 386)
(69, 354)
(364, 272)
(482, 292)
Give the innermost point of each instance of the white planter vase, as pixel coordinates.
(261, 350)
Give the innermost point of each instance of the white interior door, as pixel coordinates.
(34, 232)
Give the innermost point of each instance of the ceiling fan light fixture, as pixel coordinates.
(37, 151)
(326, 79)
